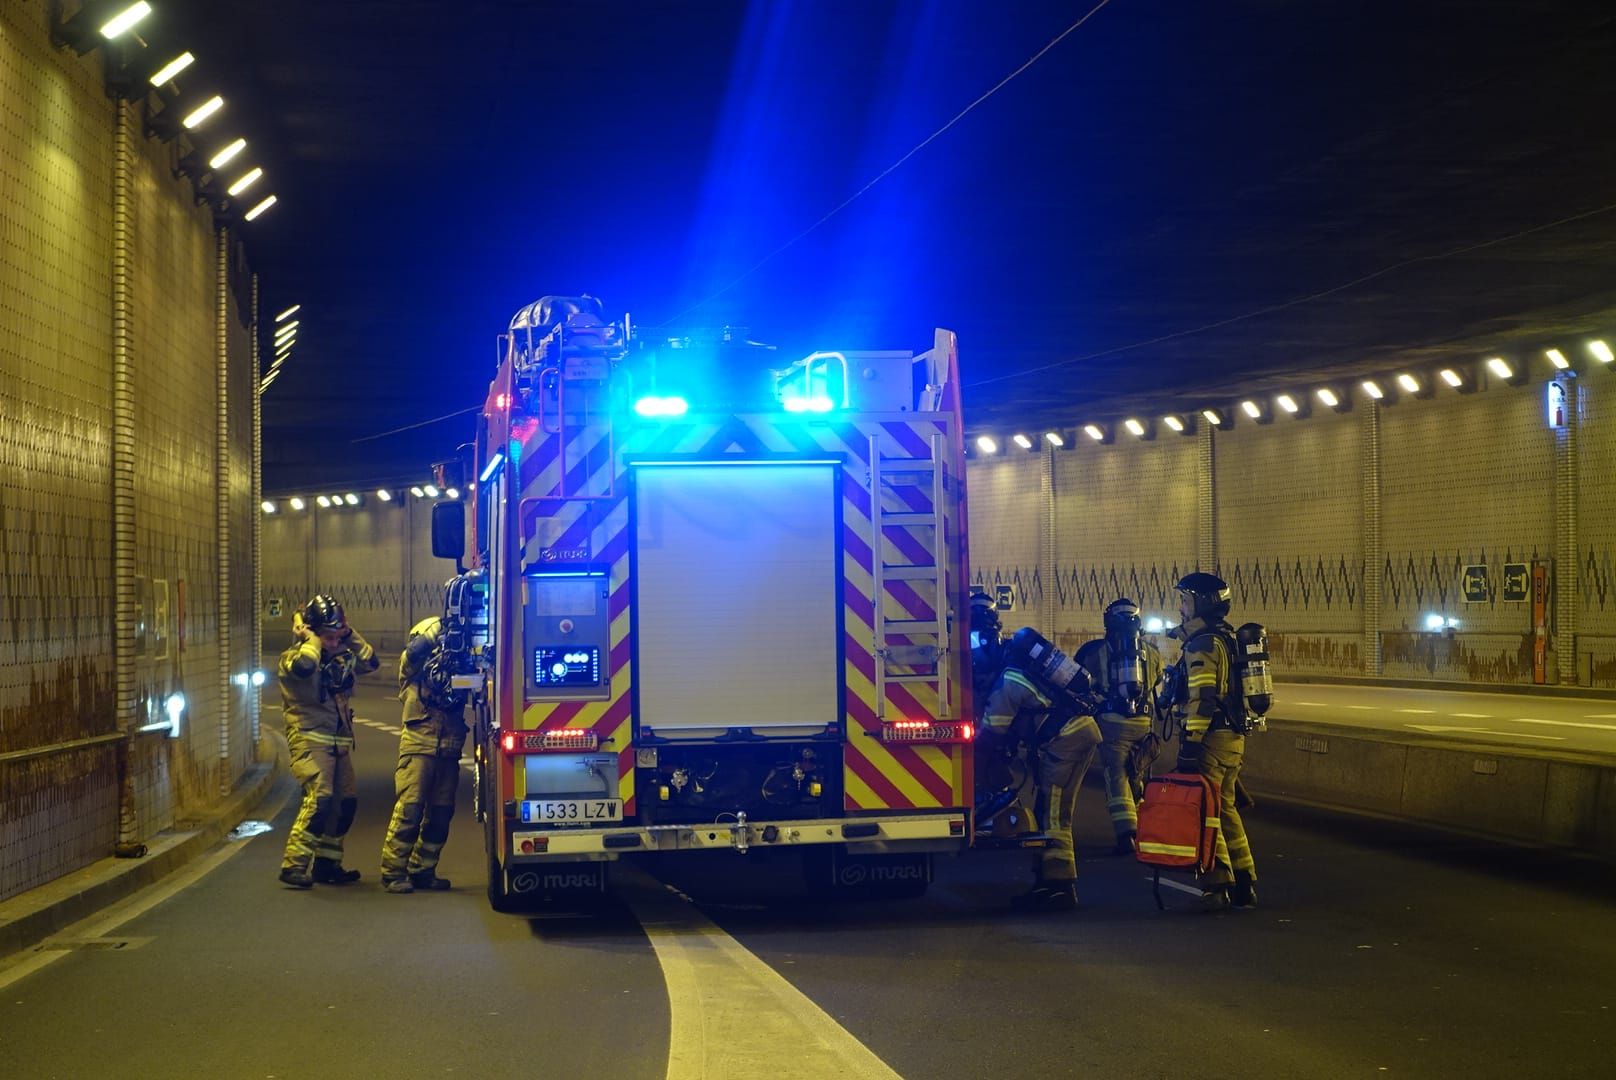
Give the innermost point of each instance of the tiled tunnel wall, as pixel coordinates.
(1465, 479)
(63, 760)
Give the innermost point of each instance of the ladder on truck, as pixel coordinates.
(884, 477)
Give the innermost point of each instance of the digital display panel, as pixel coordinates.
(566, 665)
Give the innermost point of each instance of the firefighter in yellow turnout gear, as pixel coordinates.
(428, 764)
(316, 676)
(1213, 717)
(1039, 700)
(1127, 673)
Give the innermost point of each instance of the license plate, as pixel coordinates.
(571, 811)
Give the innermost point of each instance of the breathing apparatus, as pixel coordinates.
(1251, 667)
(1067, 681)
(1125, 667)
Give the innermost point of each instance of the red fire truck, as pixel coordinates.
(716, 600)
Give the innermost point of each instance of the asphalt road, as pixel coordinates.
(1375, 951)
(1586, 725)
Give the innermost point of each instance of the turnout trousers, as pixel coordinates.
(424, 794)
(326, 772)
(1223, 753)
(1122, 788)
(1064, 756)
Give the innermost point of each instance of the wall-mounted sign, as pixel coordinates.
(1004, 597)
(1556, 404)
(1474, 584)
(1540, 623)
(1517, 585)
(275, 607)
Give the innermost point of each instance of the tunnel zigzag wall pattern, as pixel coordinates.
(1465, 480)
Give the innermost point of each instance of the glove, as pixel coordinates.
(1191, 757)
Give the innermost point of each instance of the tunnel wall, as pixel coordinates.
(375, 559)
(72, 767)
(1342, 532)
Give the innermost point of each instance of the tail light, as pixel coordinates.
(927, 731)
(556, 739)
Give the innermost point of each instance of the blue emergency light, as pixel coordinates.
(654, 406)
(817, 403)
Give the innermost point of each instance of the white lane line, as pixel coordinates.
(1472, 715)
(1365, 708)
(1443, 728)
(1179, 885)
(1313, 704)
(104, 922)
(733, 1017)
(1599, 716)
(1418, 712)
(1560, 723)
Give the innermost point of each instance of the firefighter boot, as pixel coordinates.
(331, 872)
(1127, 844)
(1243, 893)
(1048, 896)
(1215, 898)
(429, 882)
(297, 879)
(398, 885)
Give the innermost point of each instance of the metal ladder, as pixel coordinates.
(935, 656)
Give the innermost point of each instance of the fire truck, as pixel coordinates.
(713, 599)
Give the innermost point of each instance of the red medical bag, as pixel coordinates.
(1178, 825)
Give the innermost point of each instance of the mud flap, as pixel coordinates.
(558, 883)
(832, 870)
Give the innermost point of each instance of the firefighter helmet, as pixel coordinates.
(984, 616)
(1210, 593)
(324, 613)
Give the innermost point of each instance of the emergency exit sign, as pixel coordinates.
(1475, 586)
(1517, 582)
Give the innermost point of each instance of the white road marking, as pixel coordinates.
(1365, 708)
(1472, 715)
(1314, 704)
(1418, 712)
(104, 922)
(1560, 723)
(1439, 728)
(733, 1017)
(1600, 716)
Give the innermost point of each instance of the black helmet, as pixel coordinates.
(324, 613)
(1211, 594)
(984, 616)
(1122, 617)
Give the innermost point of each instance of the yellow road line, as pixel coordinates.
(730, 1015)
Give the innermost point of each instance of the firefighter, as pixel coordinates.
(428, 770)
(1127, 673)
(317, 677)
(987, 646)
(1039, 700)
(1213, 718)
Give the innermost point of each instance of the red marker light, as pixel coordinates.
(509, 742)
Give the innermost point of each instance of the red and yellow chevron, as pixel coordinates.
(574, 489)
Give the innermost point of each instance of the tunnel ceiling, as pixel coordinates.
(1172, 203)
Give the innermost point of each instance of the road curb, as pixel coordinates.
(33, 916)
(1553, 690)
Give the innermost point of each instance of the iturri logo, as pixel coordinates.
(582, 879)
(574, 554)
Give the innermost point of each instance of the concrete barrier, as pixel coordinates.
(1547, 799)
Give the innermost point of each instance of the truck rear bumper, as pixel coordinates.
(944, 831)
